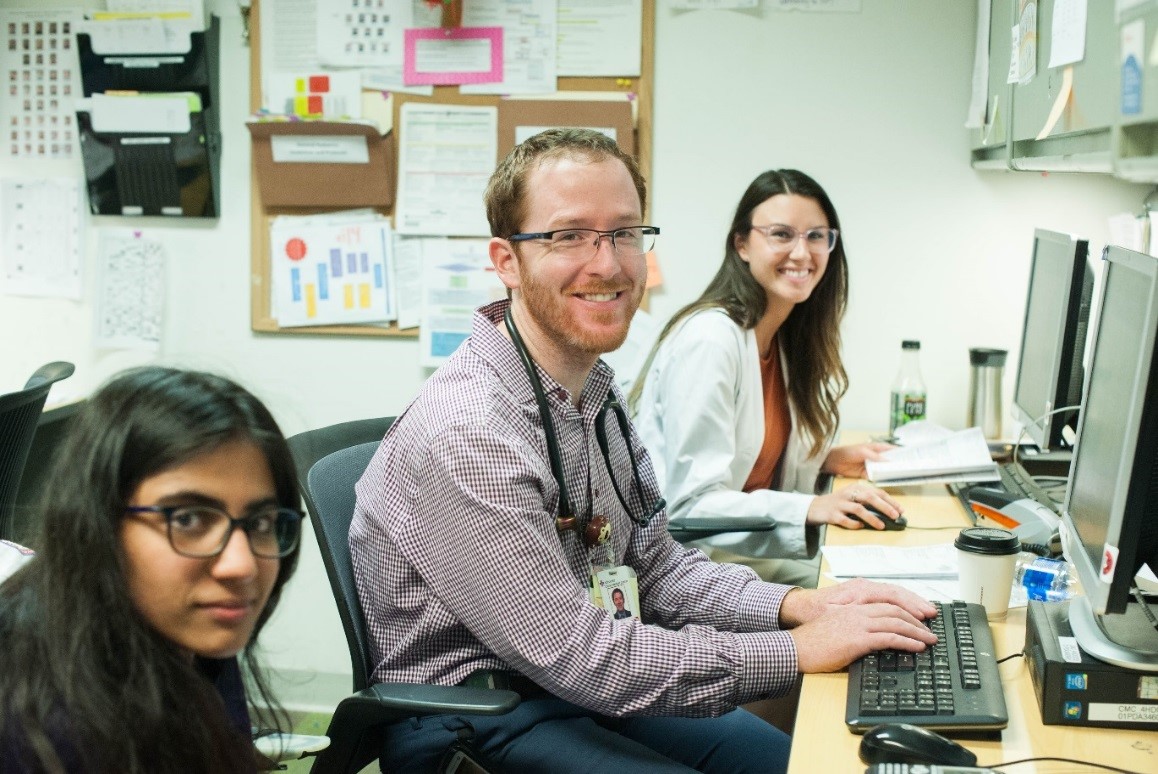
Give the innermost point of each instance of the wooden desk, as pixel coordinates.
(821, 741)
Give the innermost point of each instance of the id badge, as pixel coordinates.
(618, 591)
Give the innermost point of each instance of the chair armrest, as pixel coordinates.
(697, 527)
(356, 729)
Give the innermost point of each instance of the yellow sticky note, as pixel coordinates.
(299, 85)
(364, 295)
(311, 300)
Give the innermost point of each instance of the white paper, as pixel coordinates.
(408, 280)
(42, 80)
(600, 37)
(701, 5)
(130, 307)
(975, 115)
(920, 431)
(447, 154)
(457, 279)
(1068, 32)
(152, 114)
(289, 41)
(1014, 55)
(938, 561)
(1127, 230)
(153, 35)
(331, 272)
(41, 241)
(964, 452)
(817, 6)
(194, 8)
(356, 33)
(530, 34)
(1027, 44)
(948, 590)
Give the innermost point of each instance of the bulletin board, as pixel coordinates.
(261, 316)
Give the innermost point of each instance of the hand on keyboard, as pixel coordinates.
(836, 625)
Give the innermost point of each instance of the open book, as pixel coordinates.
(961, 456)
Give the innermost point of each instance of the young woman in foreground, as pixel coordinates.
(164, 544)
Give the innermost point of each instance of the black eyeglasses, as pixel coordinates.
(202, 531)
(583, 243)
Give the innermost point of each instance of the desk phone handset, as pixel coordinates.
(925, 768)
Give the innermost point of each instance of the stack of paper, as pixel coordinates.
(928, 571)
(961, 456)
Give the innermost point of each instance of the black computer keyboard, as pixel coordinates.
(952, 685)
(1015, 480)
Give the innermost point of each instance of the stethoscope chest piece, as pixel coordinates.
(598, 531)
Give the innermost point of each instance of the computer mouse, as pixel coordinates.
(904, 743)
(891, 525)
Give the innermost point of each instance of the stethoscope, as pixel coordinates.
(566, 520)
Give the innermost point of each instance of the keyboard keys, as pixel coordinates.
(932, 687)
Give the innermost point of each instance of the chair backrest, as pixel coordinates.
(19, 413)
(330, 460)
(330, 499)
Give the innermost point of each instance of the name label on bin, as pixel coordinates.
(320, 149)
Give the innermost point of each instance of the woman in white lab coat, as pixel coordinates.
(738, 402)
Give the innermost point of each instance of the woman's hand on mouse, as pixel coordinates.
(854, 502)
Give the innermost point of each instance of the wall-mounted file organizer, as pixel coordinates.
(333, 164)
(149, 126)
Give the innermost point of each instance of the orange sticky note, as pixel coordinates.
(654, 275)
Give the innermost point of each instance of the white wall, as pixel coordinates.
(870, 104)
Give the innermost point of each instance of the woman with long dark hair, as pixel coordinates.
(169, 530)
(738, 402)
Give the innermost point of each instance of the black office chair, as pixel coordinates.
(19, 413)
(356, 729)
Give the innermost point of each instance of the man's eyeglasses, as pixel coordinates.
(819, 241)
(583, 243)
(201, 531)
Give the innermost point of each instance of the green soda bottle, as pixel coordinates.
(908, 393)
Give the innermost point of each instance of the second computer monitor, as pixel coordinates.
(1057, 313)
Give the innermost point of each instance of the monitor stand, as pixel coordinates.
(1055, 462)
(1128, 640)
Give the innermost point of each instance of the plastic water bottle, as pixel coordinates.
(908, 393)
(1046, 580)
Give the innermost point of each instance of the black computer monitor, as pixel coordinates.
(1110, 516)
(1053, 339)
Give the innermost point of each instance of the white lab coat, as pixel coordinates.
(12, 558)
(701, 416)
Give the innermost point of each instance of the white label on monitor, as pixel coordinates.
(1148, 687)
(1109, 562)
(1124, 713)
(320, 149)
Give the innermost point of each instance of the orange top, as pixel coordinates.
(777, 422)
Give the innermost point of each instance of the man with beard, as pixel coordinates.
(515, 468)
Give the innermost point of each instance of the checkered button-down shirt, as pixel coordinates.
(459, 565)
